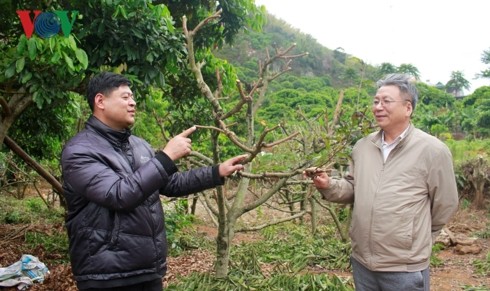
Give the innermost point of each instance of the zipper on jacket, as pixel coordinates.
(152, 223)
(371, 248)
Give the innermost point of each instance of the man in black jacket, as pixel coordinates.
(112, 181)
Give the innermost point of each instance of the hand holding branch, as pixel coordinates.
(320, 178)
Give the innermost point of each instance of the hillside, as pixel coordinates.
(334, 65)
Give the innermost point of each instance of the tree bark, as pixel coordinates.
(226, 228)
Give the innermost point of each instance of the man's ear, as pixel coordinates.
(99, 101)
(409, 109)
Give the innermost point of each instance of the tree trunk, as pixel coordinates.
(33, 164)
(314, 212)
(222, 242)
(477, 179)
(5, 125)
(226, 228)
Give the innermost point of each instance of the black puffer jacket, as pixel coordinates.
(115, 221)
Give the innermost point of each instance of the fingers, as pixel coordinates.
(238, 159)
(235, 163)
(313, 172)
(237, 167)
(232, 165)
(179, 146)
(187, 132)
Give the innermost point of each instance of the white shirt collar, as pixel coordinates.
(397, 140)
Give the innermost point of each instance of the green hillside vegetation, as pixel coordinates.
(315, 81)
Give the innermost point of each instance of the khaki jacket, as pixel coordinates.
(398, 204)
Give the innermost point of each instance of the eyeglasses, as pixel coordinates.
(386, 103)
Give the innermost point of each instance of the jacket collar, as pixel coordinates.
(377, 138)
(115, 137)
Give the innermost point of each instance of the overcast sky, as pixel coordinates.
(435, 36)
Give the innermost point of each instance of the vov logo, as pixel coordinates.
(47, 24)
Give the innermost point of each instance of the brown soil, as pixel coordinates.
(455, 273)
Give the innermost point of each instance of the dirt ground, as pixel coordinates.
(455, 273)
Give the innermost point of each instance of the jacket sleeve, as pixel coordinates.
(93, 177)
(340, 190)
(192, 181)
(442, 187)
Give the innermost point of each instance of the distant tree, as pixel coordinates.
(340, 55)
(386, 68)
(485, 58)
(410, 70)
(482, 108)
(440, 86)
(457, 83)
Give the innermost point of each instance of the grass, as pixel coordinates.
(482, 267)
(28, 210)
(281, 261)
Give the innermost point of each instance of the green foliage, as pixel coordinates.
(50, 242)
(46, 232)
(434, 260)
(250, 46)
(41, 132)
(485, 58)
(474, 113)
(39, 64)
(471, 168)
(30, 210)
(433, 113)
(235, 15)
(289, 249)
(474, 288)
(465, 203)
(181, 236)
(410, 70)
(484, 233)
(482, 267)
(457, 83)
(463, 150)
(137, 38)
(277, 282)
(292, 248)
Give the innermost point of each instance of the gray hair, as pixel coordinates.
(405, 83)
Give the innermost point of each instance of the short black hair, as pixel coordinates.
(104, 83)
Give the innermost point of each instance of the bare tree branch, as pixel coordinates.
(244, 99)
(196, 68)
(259, 227)
(211, 212)
(5, 107)
(269, 174)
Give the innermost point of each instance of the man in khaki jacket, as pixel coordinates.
(403, 189)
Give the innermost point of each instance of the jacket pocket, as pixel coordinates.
(401, 235)
(115, 230)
